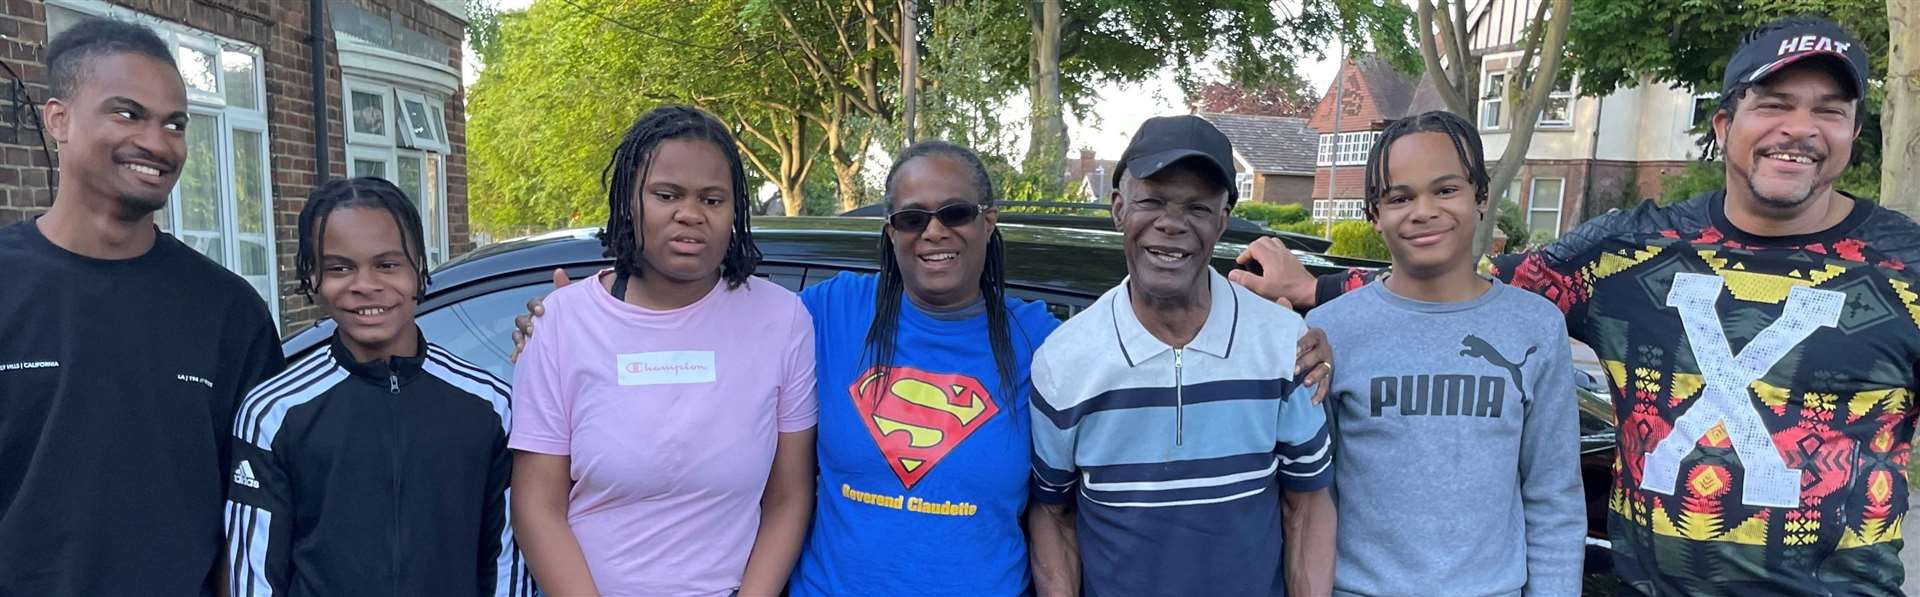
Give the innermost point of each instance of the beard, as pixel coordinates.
(133, 206)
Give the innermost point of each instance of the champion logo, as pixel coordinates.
(243, 475)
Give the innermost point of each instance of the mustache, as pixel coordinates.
(1801, 147)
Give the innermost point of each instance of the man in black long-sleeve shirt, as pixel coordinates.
(123, 352)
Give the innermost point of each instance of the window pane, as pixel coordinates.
(374, 168)
(435, 217)
(417, 118)
(439, 123)
(408, 178)
(200, 221)
(242, 75)
(1544, 206)
(369, 113)
(1559, 110)
(196, 69)
(59, 20)
(250, 208)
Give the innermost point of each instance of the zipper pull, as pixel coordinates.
(1179, 403)
(393, 383)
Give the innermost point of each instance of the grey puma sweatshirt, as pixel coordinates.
(1458, 435)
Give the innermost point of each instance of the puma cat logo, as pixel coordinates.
(1473, 346)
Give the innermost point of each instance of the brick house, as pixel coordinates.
(1371, 95)
(1273, 154)
(252, 155)
(1588, 154)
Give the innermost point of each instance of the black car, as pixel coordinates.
(470, 306)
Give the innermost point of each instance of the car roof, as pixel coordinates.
(1074, 260)
(1238, 230)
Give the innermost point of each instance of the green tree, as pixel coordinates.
(1612, 45)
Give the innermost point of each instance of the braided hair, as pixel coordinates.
(628, 169)
(364, 192)
(882, 335)
(1466, 145)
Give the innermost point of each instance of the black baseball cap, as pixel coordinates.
(1790, 40)
(1164, 140)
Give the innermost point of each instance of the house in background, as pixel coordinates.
(1371, 94)
(391, 106)
(1273, 155)
(1587, 155)
(1091, 177)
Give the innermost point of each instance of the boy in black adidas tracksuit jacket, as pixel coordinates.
(379, 464)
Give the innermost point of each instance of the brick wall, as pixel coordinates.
(1284, 188)
(24, 189)
(1352, 183)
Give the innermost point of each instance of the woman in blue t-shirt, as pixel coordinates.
(924, 447)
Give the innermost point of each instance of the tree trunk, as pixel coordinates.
(1900, 113)
(1047, 136)
(1550, 45)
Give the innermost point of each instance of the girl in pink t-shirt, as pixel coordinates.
(663, 419)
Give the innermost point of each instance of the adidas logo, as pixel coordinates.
(243, 475)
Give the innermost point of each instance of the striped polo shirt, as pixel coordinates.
(1175, 457)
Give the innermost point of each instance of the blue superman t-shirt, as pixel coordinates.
(923, 474)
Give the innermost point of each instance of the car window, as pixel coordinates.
(786, 276)
(480, 329)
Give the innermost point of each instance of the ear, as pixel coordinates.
(1114, 205)
(59, 120)
(1722, 119)
(992, 217)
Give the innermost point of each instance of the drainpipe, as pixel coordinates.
(317, 39)
(1593, 157)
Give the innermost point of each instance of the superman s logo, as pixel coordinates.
(917, 417)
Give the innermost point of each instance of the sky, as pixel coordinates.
(1115, 115)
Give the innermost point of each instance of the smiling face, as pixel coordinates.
(686, 211)
(122, 134)
(368, 283)
(1170, 222)
(1428, 210)
(940, 265)
(1788, 139)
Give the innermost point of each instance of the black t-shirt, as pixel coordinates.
(118, 382)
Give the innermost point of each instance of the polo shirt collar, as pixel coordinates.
(1215, 338)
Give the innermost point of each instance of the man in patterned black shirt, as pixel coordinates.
(1760, 341)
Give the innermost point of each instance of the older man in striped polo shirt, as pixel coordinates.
(1166, 420)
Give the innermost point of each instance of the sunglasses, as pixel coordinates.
(914, 220)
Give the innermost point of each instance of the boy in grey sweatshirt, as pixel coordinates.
(1454, 412)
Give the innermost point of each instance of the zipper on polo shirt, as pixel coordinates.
(1179, 403)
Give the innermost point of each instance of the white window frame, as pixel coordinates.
(399, 141)
(212, 110)
(1559, 208)
(1244, 182)
(1493, 99)
(1338, 210)
(435, 125)
(348, 87)
(1347, 149)
(1568, 95)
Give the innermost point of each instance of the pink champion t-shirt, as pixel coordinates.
(670, 419)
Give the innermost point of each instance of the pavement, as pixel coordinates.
(1910, 555)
